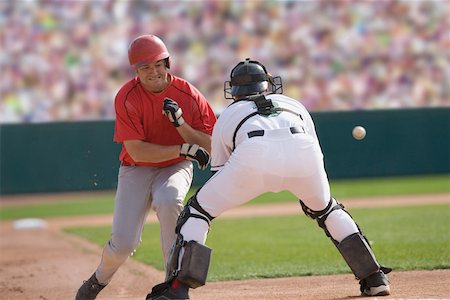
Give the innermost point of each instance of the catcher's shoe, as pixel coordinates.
(375, 285)
(89, 289)
(167, 291)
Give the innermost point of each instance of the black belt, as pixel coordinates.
(261, 132)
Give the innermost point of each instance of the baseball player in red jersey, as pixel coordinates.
(163, 123)
(264, 142)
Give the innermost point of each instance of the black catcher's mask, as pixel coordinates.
(250, 77)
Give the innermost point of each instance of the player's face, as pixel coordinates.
(153, 76)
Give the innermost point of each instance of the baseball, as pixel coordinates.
(359, 132)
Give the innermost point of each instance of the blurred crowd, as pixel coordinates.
(65, 60)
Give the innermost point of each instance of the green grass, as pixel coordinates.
(374, 187)
(77, 207)
(341, 189)
(404, 238)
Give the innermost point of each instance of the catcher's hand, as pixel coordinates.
(173, 112)
(197, 153)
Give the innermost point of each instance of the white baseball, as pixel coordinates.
(359, 132)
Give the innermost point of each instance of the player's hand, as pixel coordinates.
(173, 112)
(197, 153)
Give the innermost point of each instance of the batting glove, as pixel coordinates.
(197, 153)
(173, 112)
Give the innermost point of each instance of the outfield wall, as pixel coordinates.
(79, 156)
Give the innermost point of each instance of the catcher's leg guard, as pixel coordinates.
(354, 248)
(194, 264)
(189, 260)
(358, 255)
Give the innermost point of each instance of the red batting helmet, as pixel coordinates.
(147, 49)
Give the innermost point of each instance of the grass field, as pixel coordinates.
(404, 238)
(411, 185)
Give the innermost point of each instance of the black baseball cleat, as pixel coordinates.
(167, 291)
(375, 285)
(89, 289)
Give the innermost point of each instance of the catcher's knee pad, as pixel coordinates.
(322, 215)
(189, 260)
(192, 209)
(358, 255)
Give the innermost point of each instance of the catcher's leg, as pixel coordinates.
(340, 227)
(188, 262)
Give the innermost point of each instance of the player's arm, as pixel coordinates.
(193, 136)
(147, 152)
(141, 151)
(189, 134)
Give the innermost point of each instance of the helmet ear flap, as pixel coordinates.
(167, 62)
(227, 90)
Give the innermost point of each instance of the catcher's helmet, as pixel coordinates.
(250, 77)
(147, 49)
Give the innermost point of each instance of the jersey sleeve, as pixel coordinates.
(128, 125)
(203, 118)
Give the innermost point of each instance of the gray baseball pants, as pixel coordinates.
(139, 189)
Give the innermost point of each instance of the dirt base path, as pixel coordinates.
(45, 263)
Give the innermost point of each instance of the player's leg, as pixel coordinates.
(348, 238)
(317, 203)
(132, 204)
(243, 178)
(131, 207)
(312, 187)
(354, 247)
(169, 190)
(189, 260)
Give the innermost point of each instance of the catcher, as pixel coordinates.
(264, 142)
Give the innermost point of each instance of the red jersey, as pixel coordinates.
(139, 116)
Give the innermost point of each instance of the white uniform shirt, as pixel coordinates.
(228, 121)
